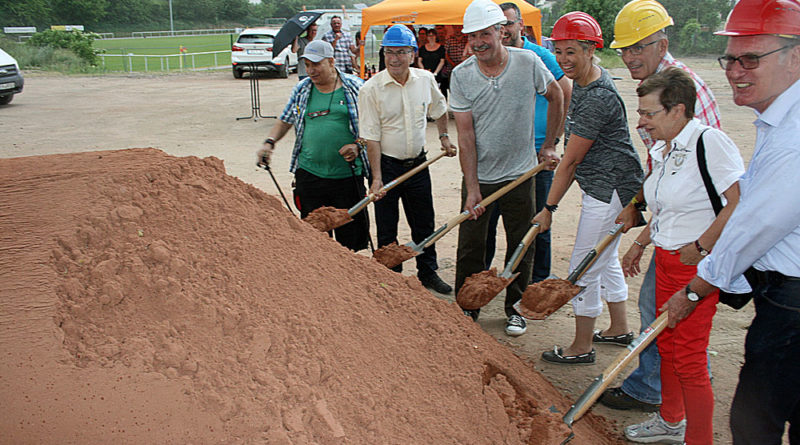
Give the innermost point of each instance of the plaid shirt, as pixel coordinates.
(295, 112)
(341, 50)
(705, 109)
(454, 48)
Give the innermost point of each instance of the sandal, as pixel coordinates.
(556, 356)
(619, 340)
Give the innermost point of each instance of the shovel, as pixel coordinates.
(393, 255)
(602, 381)
(331, 218)
(543, 298)
(480, 288)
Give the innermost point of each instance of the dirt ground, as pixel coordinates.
(195, 114)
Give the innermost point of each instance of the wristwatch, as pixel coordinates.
(692, 295)
(703, 252)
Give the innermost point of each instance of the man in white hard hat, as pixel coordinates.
(393, 105)
(641, 40)
(762, 237)
(490, 93)
(512, 36)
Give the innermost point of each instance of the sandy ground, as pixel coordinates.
(195, 114)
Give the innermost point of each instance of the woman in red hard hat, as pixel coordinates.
(599, 155)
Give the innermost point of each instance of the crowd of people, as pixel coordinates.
(720, 231)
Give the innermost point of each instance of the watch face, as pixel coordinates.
(692, 296)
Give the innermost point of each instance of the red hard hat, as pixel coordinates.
(754, 17)
(578, 25)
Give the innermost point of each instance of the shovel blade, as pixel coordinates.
(481, 288)
(542, 299)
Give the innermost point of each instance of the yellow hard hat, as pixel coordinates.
(637, 20)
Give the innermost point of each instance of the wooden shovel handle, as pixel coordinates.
(394, 183)
(463, 216)
(519, 253)
(602, 381)
(591, 257)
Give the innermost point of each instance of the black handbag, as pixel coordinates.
(736, 301)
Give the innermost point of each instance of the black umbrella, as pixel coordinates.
(293, 28)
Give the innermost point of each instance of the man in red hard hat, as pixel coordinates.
(762, 237)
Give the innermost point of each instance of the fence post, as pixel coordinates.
(130, 62)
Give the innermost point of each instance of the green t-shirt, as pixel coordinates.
(325, 135)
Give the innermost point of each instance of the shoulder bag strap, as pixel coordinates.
(716, 203)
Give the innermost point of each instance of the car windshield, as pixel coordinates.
(256, 38)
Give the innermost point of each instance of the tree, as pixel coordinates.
(79, 12)
(604, 11)
(26, 13)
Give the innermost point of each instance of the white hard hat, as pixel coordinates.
(481, 14)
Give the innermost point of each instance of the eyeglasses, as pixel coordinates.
(747, 61)
(649, 114)
(397, 53)
(509, 22)
(313, 114)
(635, 50)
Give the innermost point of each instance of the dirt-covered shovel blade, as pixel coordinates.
(481, 288)
(601, 382)
(453, 222)
(326, 219)
(541, 299)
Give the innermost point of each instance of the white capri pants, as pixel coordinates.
(604, 279)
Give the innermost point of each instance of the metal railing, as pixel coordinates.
(166, 62)
(183, 32)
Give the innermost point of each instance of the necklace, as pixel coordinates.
(496, 72)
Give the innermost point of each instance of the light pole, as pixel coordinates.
(171, 27)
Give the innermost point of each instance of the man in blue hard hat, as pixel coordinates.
(393, 106)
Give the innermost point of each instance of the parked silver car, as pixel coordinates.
(253, 51)
(11, 80)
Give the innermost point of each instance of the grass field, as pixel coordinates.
(165, 51)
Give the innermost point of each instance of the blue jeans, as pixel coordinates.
(768, 393)
(644, 384)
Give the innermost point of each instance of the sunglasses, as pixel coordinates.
(747, 61)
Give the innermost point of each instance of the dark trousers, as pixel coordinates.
(541, 246)
(768, 393)
(415, 193)
(313, 192)
(517, 210)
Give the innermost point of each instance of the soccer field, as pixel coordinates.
(163, 53)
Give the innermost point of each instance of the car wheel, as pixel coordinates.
(283, 71)
(237, 73)
(5, 100)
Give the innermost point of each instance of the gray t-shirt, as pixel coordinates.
(502, 112)
(596, 112)
(301, 48)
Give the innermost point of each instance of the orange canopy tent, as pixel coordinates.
(434, 12)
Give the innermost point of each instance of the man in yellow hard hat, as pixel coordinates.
(641, 40)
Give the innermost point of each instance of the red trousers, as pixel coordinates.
(685, 386)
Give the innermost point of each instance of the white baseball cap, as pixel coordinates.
(318, 50)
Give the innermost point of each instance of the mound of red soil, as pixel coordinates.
(392, 255)
(152, 299)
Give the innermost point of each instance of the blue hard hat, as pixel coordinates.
(399, 35)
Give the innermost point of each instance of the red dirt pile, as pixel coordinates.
(327, 218)
(545, 297)
(480, 288)
(152, 299)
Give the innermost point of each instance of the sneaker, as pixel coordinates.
(656, 429)
(516, 326)
(619, 340)
(616, 398)
(433, 282)
(557, 356)
(472, 314)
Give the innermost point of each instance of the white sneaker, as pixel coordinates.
(656, 429)
(516, 326)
